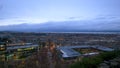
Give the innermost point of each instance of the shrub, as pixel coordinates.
(93, 62)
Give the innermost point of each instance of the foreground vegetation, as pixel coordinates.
(93, 62)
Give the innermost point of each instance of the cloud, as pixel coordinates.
(66, 26)
(1, 18)
(79, 18)
(12, 21)
(107, 18)
(1, 6)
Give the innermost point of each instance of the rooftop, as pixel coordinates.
(69, 52)
(27, 45)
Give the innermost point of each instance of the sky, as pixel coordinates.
(41, 11)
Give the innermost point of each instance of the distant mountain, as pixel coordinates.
(65, 26)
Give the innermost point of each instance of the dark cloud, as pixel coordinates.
(66, 26)
(74, 18)
(107, 18)
(1, 7)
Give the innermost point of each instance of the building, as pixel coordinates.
(68, 52)
(20, 51)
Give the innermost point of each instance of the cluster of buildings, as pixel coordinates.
(69, 52)
(24, 43)
(17, 51)
(65, 38)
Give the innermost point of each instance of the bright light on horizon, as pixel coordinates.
(30, 20)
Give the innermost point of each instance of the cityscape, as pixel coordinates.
(59, 33)
(52, 50)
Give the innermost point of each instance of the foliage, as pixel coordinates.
(93, 62)
(109, 55)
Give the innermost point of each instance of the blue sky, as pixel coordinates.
(40, 11)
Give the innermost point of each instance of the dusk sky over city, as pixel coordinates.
(59, 33)
(40, 11)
